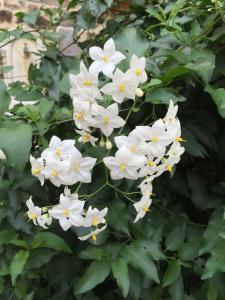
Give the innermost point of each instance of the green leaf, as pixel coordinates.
(124, 41)
(92, 252)
(172, 273)
(218, 96)
(175, 238)
(17, 264)
(16, 140)
(163, 96)
(5, 99)
(177, 6)
(118, 216)
(93, 276)
(7, 235)
(120, 272)
(138, 257)
(50, 240)
(31, 18)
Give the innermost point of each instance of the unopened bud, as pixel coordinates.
(102, 142)
(139, 92)
(44, 209)
(2, 155)
(108, 144)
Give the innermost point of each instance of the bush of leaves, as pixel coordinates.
(177, 251)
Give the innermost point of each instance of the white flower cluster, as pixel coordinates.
(147, 151)
(86, 94)
(62, 164)
(70, 212)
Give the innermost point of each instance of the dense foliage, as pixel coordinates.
(178, 250)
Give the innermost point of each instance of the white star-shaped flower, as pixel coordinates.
(137, 68)
(94, 217)
(37, 167)
(105, 59)
(142, 207)
(86, 81)
(68, 211)
(34, 212)
(93, 234)
(82, 115)
(107, 119)
(86, 137)
(124, 165)
(123, 86)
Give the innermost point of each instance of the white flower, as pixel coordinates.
(86, 81)
(170, 118)
(80, 168)
(57, 171)
(142, 207)
(123, 86)
(105, 59)
(157, 136)
(137, 68)
(82, 95)
(34, 212)
(150, 166)
(37, 167)
(2, 155)
(58, 149)
(133, 142)
(68, 211)
(94, 217)
(93, 234)
(124, 164)
(82, 115)
(86, 137)
(107, 119)
(45, 220)
(146, 189)
(175, 152)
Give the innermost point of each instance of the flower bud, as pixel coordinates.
(45, 209)
(108, 144)
(102, 142)
(139, 92)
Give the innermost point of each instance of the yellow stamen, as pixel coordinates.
(76, 167)
(105, 59)
(36, 171)
(58, 152)
(138, 72)
(95, 222)
(133, 148)
(86, 138)
(122, 167)
(146, 209)
(79, 115)
(66, 213)
(106, 120)
(180, 139)
(169, 168)
(88, 83)
(154, 139)
(94, 238)
(121, 87)
(33, 216)
(150, 163)
(54, 173)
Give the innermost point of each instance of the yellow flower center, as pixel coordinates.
(133, 148)
(180, 139)
(154, 139)
(150, 163)
(121, 87)
(94, 238)
(36, 171)
(76, 167)
(122, 167)
(169, 168)
(95, 222)
(105, 59)
(33, 216)
(88, 83)
(138, 72)
(106, 120)
(54, 173)
(79, 115)
(66, 213)
(145, 208)
(58, 152)
(86, 138)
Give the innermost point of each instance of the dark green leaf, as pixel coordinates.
(120, 272)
